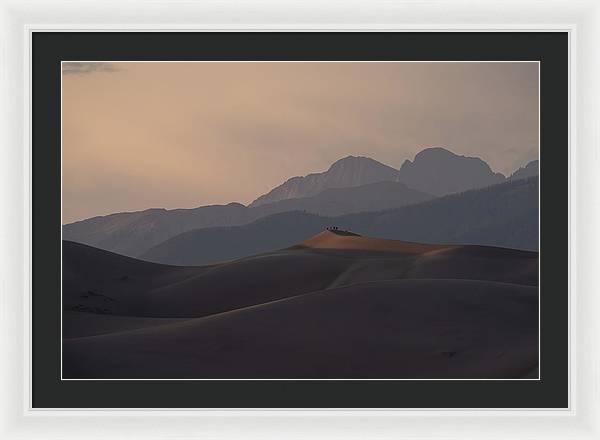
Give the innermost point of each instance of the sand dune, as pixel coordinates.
(336, 305)
(478, 262)
(100, 282)
(79, 324)
(388, 329)
(339, 240)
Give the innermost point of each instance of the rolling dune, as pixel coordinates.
(340, 240)
(337, 305)
(389, 329)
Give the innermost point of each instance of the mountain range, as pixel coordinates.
(504, 215)
(134, 233)
(350, 185)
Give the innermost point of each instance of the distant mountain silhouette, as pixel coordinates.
(529, 170)
(211, 245)
(133, 233)
(339, 201)
(440, 172)
(347, 172)
(351, 185)
(504, 215)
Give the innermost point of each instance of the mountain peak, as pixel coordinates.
(350, 159)
(432, 153)
(354, 161)
(529, 170)
(441, 153)
(435, 152)
(439, 171)
(349, 171)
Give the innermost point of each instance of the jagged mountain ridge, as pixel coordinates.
(439, 171)
(133, 233)
(347, 172)
(504, 215)
(529, 170)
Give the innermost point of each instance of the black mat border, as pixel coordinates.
(49, 48)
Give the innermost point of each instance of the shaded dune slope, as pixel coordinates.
(78, 324)
(336, 305)
(399, 328)
(93, 282)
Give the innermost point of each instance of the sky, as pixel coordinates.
(182, 135)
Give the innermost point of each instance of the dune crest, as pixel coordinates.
(338, 305)
(349, 241)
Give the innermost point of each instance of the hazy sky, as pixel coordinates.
(142, 135)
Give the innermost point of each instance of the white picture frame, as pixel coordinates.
(18, 19)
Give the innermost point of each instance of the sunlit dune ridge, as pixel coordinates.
(339, 239)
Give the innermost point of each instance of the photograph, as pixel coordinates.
(300, 220)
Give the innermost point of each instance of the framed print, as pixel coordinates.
(341, 222)
(350, 271)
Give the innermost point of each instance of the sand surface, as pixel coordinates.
(334, 306)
